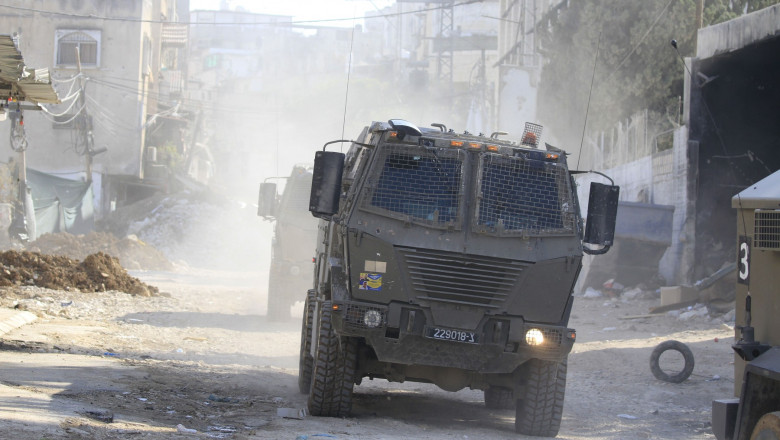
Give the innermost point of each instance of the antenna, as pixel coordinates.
(349, 72)
(590, 93)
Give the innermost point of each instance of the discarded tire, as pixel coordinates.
(677, 346)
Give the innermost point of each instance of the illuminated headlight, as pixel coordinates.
(295, 270)
(372, 319)
(534, 337)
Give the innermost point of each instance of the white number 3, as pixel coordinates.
(744, 265)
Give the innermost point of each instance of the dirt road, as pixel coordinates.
(202, 361)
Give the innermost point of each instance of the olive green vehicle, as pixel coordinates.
(295, 232)
(447, 258)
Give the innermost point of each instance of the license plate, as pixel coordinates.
(448, 334)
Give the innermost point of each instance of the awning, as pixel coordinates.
(21, 82)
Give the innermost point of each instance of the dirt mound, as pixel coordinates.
(132, 253)
(98, 272)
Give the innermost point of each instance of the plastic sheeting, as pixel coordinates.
(61, 205)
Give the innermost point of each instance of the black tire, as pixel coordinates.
(499, 398)
(278, 301)
(678, 346)
(333, 374)
(540, 404)
(306, 360)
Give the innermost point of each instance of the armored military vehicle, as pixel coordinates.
(447, 258)
(755, 413)
(295, 232)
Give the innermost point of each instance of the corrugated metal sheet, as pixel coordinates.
(22, 82)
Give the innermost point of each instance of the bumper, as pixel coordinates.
(397, 334)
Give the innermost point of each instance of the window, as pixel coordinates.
(523, 196)
(419, 185)
(87, 42)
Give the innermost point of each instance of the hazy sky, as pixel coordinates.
(302, 9)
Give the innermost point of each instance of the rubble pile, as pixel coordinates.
(199, 229)
(132, 253)
(96, 273)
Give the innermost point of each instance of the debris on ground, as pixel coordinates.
(97, 273)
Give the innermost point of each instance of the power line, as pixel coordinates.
(199, 104)
(636, 46)
(200, 23)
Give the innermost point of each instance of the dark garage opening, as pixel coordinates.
(734, 139)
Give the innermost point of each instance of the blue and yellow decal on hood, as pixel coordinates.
(370, 281)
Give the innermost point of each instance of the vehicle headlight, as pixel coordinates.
(372, 318)
(534, 336)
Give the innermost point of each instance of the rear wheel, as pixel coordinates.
(499, 398)
(767, 428)
(333, 374)
(540, 404)
(306, 361)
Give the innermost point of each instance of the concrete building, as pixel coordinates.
(519, 65)
(237, 60)
(729, 139)
(108, 60)
(446, 50)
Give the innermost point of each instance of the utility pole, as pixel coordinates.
(85, 126)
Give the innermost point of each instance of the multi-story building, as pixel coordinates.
(116, 68)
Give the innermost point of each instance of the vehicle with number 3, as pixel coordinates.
(447, 258)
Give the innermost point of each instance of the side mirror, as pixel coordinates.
(602, 213)
(326, 183)
(266, 201)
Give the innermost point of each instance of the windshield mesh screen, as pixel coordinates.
(416, 184)
(523, 196)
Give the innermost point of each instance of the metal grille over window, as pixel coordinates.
(523, 196)
(87, 49)
(418, 184)
(767, 230)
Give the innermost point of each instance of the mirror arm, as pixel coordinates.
(344, 141)
(601, 251)
(612, 182)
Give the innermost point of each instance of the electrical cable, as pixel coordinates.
(46, 115)
(196, 23)
(199, 104)
(636, 46)
(64, 112)
(64, 81)
(109, 115)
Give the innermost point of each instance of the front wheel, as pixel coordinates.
(540, 403)
(306, 360)
(335, 360)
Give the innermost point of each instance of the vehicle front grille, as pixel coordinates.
(460, 278)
